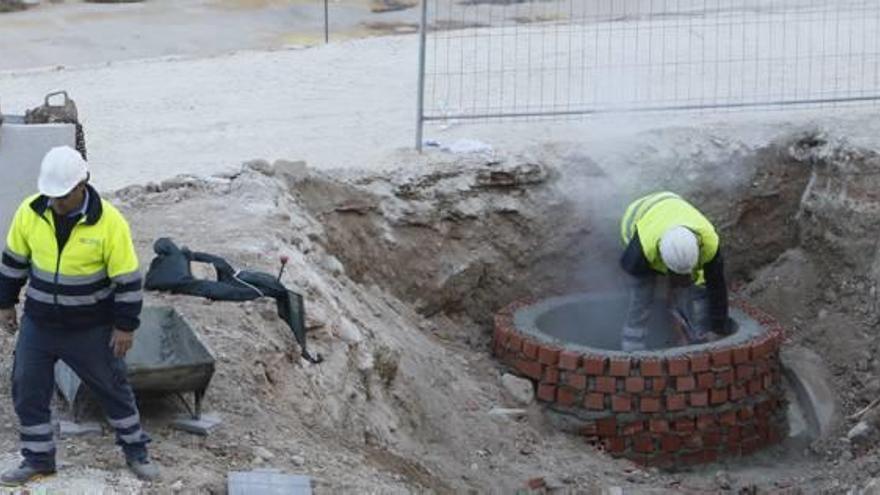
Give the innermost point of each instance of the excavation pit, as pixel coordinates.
(669, 406)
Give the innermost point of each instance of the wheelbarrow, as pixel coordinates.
(167, 358)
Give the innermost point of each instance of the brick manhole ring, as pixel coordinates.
(667, 407)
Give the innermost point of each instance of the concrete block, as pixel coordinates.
(71, 429)
(22, 148)
(811, 380)
(268, 482)
(202, 426)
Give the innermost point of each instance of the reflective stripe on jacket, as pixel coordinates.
(651, 216)
(93, 281)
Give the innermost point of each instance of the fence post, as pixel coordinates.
(420, 111)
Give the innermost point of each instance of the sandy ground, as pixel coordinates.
(348, 109)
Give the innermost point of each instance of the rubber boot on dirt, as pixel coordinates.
(23, 474)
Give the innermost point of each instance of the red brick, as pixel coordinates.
(631, 429)
(685, 383)
(548, 356)
(670, 443)
(621, 403)
(745, 371)
(530, 349)
(699, 399)
(551, 376)
(734, 434)
(501, 335)
(607, 427)
(693, 442)
(658, 425)
(569, 360)
(658, 384)
(676, 402)
(589, 429)
(727, 418)
(536, 483)
(594, 365)
(531, 369)
(546, 393)
(737, 392)
(595, 402)
(740, 355)
(614, 445)
(706, 422)
(724, 378)
(678, 366)
(717, 396)
(650, 404)
(643, 444)
(619, 367)
(721, 358)
(684, 425)
(566, 396)
(761, 366)
(635, 384)
(651, 367)
(661, 461)
(700, 457)
(705, 381)
(700, 363)
(711, 439)
(606, 384)
(577, 381)
(746, 413)
(755, 386)
(515, 342)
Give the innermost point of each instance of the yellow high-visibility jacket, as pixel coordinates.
(91, 280)
(644, 223)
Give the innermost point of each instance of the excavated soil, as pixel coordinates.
(402, 271)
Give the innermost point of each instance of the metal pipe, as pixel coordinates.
(667, 108)
(326, 22)
(420, 111)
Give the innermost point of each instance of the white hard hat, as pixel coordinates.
(679, 250)
(62, 169)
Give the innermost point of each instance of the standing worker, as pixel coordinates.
(666, 235)
(83, 305)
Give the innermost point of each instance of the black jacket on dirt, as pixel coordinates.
(170, 271)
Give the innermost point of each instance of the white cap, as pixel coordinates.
(679, 250)
(62, 169)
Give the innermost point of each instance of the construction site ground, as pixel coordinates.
(403, 259)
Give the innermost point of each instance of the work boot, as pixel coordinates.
(143, 469)
(23, 474)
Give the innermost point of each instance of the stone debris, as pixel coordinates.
(520, 390)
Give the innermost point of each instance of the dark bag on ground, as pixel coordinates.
(170, 271)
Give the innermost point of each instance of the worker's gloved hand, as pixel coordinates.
(9, 320)
(121, 341)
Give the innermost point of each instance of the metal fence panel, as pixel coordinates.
(495, 59)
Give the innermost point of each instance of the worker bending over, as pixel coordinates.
(666, 235)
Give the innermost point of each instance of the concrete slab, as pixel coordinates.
(268, 482)
(811, 381)
(202, 426)
(68, 429)
(22, 148)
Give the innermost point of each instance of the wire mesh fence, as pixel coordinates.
(496, 59)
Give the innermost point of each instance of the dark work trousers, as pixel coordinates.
(89, 355)
(692, 302)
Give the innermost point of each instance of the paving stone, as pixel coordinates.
(268, 482)
(202, 426)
